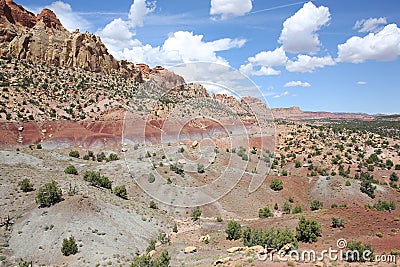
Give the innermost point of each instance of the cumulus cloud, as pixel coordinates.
(370, 25)
(286, 93)
(262, 63)
(224, 9)
(249, 70)
(181, 47)
(297, 83)
(119, 33)
(299, 33)
(70, 19)
(269, 58)
(139, 9)
(381, 46)
(307, 63)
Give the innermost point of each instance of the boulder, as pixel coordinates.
(254, 249)
(151, 253)
(190, 249)
(235, 249)
(222, 261)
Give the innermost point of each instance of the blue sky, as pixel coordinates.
(323, 55)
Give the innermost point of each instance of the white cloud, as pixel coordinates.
(261, 64)
(282, 94)
(381, 46)
(269, 58)
(249, 70)
(117, 35)
(307, 63)
(299, 31)
(370, 25)
(230, 8)
(361, 83)
(139, 9)
(70, 20)
(297, 83)
(181, 47)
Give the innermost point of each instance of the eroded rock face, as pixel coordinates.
(16, 14)
(43, 39)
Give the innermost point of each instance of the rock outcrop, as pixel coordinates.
(43, 39)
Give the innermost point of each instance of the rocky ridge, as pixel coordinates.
(43, 39)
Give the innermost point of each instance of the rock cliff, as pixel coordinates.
(43, 39)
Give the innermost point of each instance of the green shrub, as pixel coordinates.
(200, 168)
(95, 179)
(163, 238)
(120, 191)
(297, 164)
(175, 228)
(368, 188)
(337, 223)
(69, 246)
(270, 238)
(25, 185)
(395, 252)
(286, 208)
(177, 168)
(48, 194)
(383, 205)
(71, 170)
(145, 261)
(219, 219)
(348, 183)
(233, 230)
(113, 157)
(39, 146)
(265, 213)
(276, 184)
(74, 154)
(196, 213)
(141, 261)
(151, 246)
(24, 263)
(316, 205)
(389, 164)
(162, 261)
(297, 210)
(394, 177)
(355, 251)
(153, 205)
(308, 230)
(397, 167)
(101, 156)
(151, 178)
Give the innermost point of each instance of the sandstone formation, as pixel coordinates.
(43, 39)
